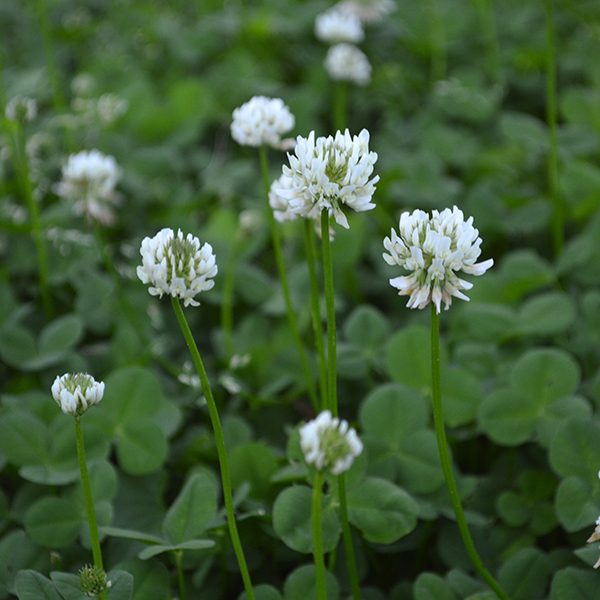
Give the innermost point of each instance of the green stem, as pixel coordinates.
(309, 245)
(440, 433)
(490, 38)
(318, 538)
(350, 561)
(220, 440)
(330, 305)
(21, 164)
(89, 501)
(284, 282)
(227, 298)
(180, 577)
(438, 41)
(340, 105)
(552, 121)
(58, 95)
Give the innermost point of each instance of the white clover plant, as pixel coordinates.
(88, 180)
(347, 62)
(176, 265)
(329, 443)
(434, 248)
(335, 26)
(262, 121)
(328, 173)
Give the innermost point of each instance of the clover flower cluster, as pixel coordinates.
(261, 121)
(329, 443)
(368, 11)
(335, 26)
(177, 265)
(89, 179)
(326, 173)
(21, 108)
(342, 25)
(346, 62)
(76, 392)
(92, 581)
(434, 248)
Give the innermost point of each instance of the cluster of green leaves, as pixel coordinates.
(520, 361)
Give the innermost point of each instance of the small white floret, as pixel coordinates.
(76, 392)
(346, 62)
(262, 121)
(329, 444)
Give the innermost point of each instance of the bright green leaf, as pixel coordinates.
(292, 520)
(382, 511)
(192, 511)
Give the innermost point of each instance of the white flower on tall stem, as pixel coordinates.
(327, 173)
(177, 265)
(335, 26)
(434, 248)
(261, 121)
(346, 62)
(76, 392)
(329, 444)
(89, 179)
(21, 108)
(368, 11)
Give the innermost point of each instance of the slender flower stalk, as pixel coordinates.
(309, 246)
(558, 217)
(18, 111)
(180, 577)
(310, 386)
(317, 533)
(58, 95)
(21, 165)
(485, 8)
(331, 326)
(220, 440)
(440, 433)
(89, 500)
(437, 39)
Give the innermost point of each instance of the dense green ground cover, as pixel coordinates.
(460, 112)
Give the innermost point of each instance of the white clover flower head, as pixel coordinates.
(327, 173)
(261, 121)
(368, 11)
(177, 265)
(335, 26)
(110, 107)
(346, 62)
(76, 392)
(434, 248)
(21, 108)
(329, 444)
(89, 179)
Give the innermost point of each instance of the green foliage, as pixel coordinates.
(457, 113)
